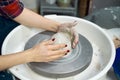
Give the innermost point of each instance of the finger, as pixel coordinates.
(67, 24)
(58, 52)
(51, 41)
(53, 58)
(71, 24)
(56, 46)
(74, 23)
(57, 56)
(76, 39)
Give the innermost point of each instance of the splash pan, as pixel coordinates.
(72, 64)
(103, 50)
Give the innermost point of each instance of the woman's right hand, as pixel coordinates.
(46, 51)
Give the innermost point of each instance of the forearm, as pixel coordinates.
(32, 19)
(7, 61)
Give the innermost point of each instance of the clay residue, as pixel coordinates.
(116, 42)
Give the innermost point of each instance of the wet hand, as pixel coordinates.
(69, 28)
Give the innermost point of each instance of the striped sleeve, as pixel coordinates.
(10, 8)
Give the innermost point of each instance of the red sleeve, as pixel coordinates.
(11, 9)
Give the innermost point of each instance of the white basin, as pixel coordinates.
(104, 50)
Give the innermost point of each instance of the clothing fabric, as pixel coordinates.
(10, 8)
(5, 75)
(6, 26)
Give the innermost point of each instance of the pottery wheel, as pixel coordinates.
(76, 62)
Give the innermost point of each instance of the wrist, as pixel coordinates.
(28, 56)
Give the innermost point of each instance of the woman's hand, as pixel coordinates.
(65, 27)
(46, 51)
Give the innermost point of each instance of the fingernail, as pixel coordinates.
(65, 45)
(77, 42)
(53, 39)
(68, 50)
(65, 53)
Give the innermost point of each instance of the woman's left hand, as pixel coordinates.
(70, 26)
